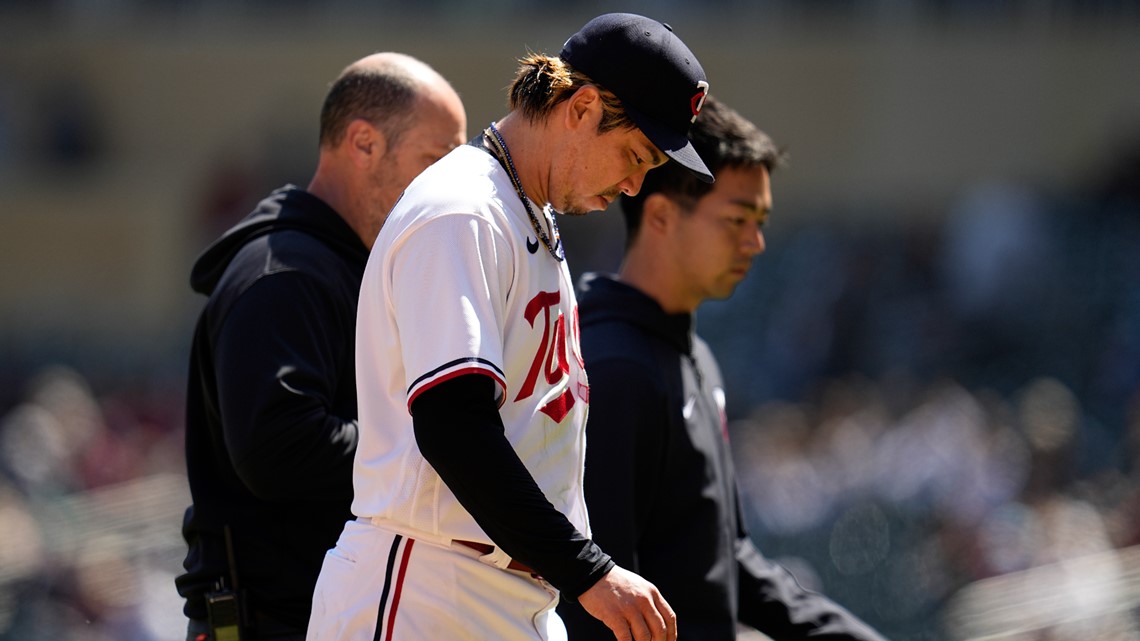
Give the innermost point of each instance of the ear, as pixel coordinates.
(659, 214)
(364, 143)
(584, 108)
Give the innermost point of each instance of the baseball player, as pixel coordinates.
(473, 397)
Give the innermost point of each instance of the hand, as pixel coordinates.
(631, 607)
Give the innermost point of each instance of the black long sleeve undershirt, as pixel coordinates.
(460, 433)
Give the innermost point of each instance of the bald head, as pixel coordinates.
(386, 118)
(385, 90)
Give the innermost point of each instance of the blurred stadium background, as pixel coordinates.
(933, 371)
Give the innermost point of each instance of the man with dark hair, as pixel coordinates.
(660, 485)
(271, 425)
(471, 520)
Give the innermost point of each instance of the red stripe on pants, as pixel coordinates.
(399, 588)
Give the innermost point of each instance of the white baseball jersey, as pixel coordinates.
(458, 283)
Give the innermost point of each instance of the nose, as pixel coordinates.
(754, 240)
(632, 184)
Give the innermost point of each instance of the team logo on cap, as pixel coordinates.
(698, 99)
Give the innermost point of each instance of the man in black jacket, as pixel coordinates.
(271, 407)
(660, 486)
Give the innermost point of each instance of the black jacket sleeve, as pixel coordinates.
(772, 601)
(278, 359)
(459, 431)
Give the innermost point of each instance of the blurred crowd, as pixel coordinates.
(92, 489)
(894, 514)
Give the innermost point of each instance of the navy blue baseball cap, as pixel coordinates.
(659, 82)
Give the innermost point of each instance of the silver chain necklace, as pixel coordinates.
(499, 147)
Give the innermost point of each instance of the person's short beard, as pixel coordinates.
(569, 208)
(574, 210)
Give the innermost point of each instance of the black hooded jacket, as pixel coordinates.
(271, 405)
(660, 485)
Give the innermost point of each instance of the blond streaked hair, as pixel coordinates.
(542, 82)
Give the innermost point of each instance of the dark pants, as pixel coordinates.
(200, 631)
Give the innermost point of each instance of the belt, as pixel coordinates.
(484, 548)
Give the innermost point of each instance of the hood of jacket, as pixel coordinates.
(287, 208)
